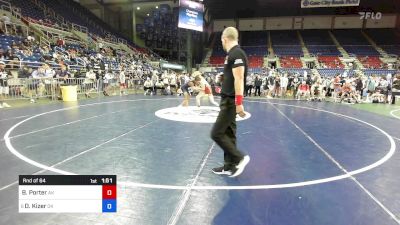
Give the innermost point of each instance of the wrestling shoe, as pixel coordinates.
(221, 171)
(240, 167)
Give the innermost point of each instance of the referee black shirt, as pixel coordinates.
(236, 57)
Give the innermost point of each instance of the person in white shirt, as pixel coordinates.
(49, 72)
(37, 86)
(148, 86)
(106, 80)
(90, 82)
(31, 39)
(122, 82)
(3, 85)
(165, 80)
(249, 85)
(284, 83)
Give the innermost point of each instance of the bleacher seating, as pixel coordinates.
(217, 60)
(391, 49)
(71, 16)
(255, 61)
(255, 70)
(218, 53)
(299, 71)
(254, 43)
(361, 50)
(290, 62)
(286, 43)
(86, 12)
(378, 72)
(355, 43)
(323, 50)
(29, 9)
(288, 50)
(316, 37)
(331, 62)
(6, 41)
(334, 72)
(387, 39)
(254, 38)
(319, 42)
(350, 37)
(284, 38)
(255, 51)
(371, 62)
(384, 36)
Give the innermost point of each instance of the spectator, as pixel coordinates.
(304, 91)
(257, 84)
(248, 85)
(60, 43)
(49, 72)
(6, 22)
(148, 86)
(122, 82)
(30, 40)
(4, 90)
(25, 72)
(284, 83)
(90, 82)
(106, 82)
(63, 73)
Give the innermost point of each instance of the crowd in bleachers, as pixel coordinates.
(32, 70)
(342, 87)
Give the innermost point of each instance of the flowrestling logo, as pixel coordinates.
(370, 15)
(193, 114)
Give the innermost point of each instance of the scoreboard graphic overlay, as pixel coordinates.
(191, 15)
(67, 193)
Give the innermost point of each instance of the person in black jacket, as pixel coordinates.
(257, 84)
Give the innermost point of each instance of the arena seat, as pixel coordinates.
(335, 71)
(331, 61)
(217, 60)
(286, 43)
(319, 43)
(371, 62)
(256, 61)
(29, 9)
(378, 72)
(299, 71)
(290, 62)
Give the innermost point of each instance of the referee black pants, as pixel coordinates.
(224, 132)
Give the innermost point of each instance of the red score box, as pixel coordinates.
(109, 191)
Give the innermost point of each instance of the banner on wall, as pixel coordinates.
(328, 3)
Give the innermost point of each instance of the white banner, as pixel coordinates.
(328, 3)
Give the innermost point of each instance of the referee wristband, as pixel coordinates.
(238, 99)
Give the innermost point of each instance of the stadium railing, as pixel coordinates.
(35, 88)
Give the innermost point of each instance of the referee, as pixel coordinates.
(224, 130)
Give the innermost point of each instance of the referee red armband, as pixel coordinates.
(238, 99)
